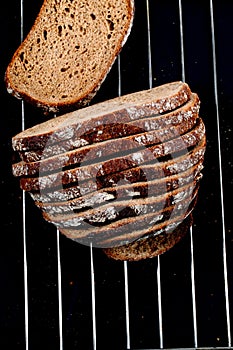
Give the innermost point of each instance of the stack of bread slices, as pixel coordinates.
(122, 175)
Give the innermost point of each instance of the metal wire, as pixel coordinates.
(220, 175)
(24, 213)
(150, 75)
(60, 317)
(126, 283)
(25, 272)
(191, 229)
(93, 297)
(127, 304)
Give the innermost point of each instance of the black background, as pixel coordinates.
(41, 237)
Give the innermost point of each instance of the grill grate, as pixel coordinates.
(138, 305)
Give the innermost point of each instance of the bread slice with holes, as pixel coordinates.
(106, 149)
(127, 230)
(121, 208)
(123, 109)
(166, 125)
(114, 164)
(68, 52)
(168, 168)
(122, 190)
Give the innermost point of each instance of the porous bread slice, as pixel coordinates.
(121, 109)
(167, 125)
(169, 167)
(141, 189)
(121, 209)
(102, 149)
(68, 52)
(135, 190)
(110, 166)
(130, 229)
(150, 246)
(169, 220)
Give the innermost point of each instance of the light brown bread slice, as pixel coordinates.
(68, 52)
(124, 191)
(122, 109)
(152, 245)
(167, 125)
(168, 167)
(127, 230)
(104, 149)
(121, 162)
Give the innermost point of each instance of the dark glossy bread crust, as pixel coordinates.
(130, 229)
(151, 246)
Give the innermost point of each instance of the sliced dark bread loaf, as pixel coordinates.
(123, 191)
(121, 209)
(155, 170)
(103, 149)
(122, 109)
(68, 52)
(153, 245)
(167, 126)
(125, 174)
(109, 166)
(127, 230)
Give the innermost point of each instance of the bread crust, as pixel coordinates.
(168, 168)
(105, 148)
(165, 126)
(151, 246)
(123, 109)
(103, 168)
(130, 229)
(116, 210)
(143, 189)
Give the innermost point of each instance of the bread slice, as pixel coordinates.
(167, 125)
(104, 149)
(112, 165)
(121, 208)
(168, 167)
(127, 230)
(122, 109)
(68, 52)
(123, 191)
(152, 245)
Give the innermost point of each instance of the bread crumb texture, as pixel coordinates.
(69, 50)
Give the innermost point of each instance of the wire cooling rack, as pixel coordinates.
(70, 296)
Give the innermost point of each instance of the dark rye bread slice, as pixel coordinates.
(167, 168)
(127, 230)
(121, 209)
(182, 143)
(122, 109)
(126, 190)
(152, 245)
(167, 125)
(102, 149)
(68, 52)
